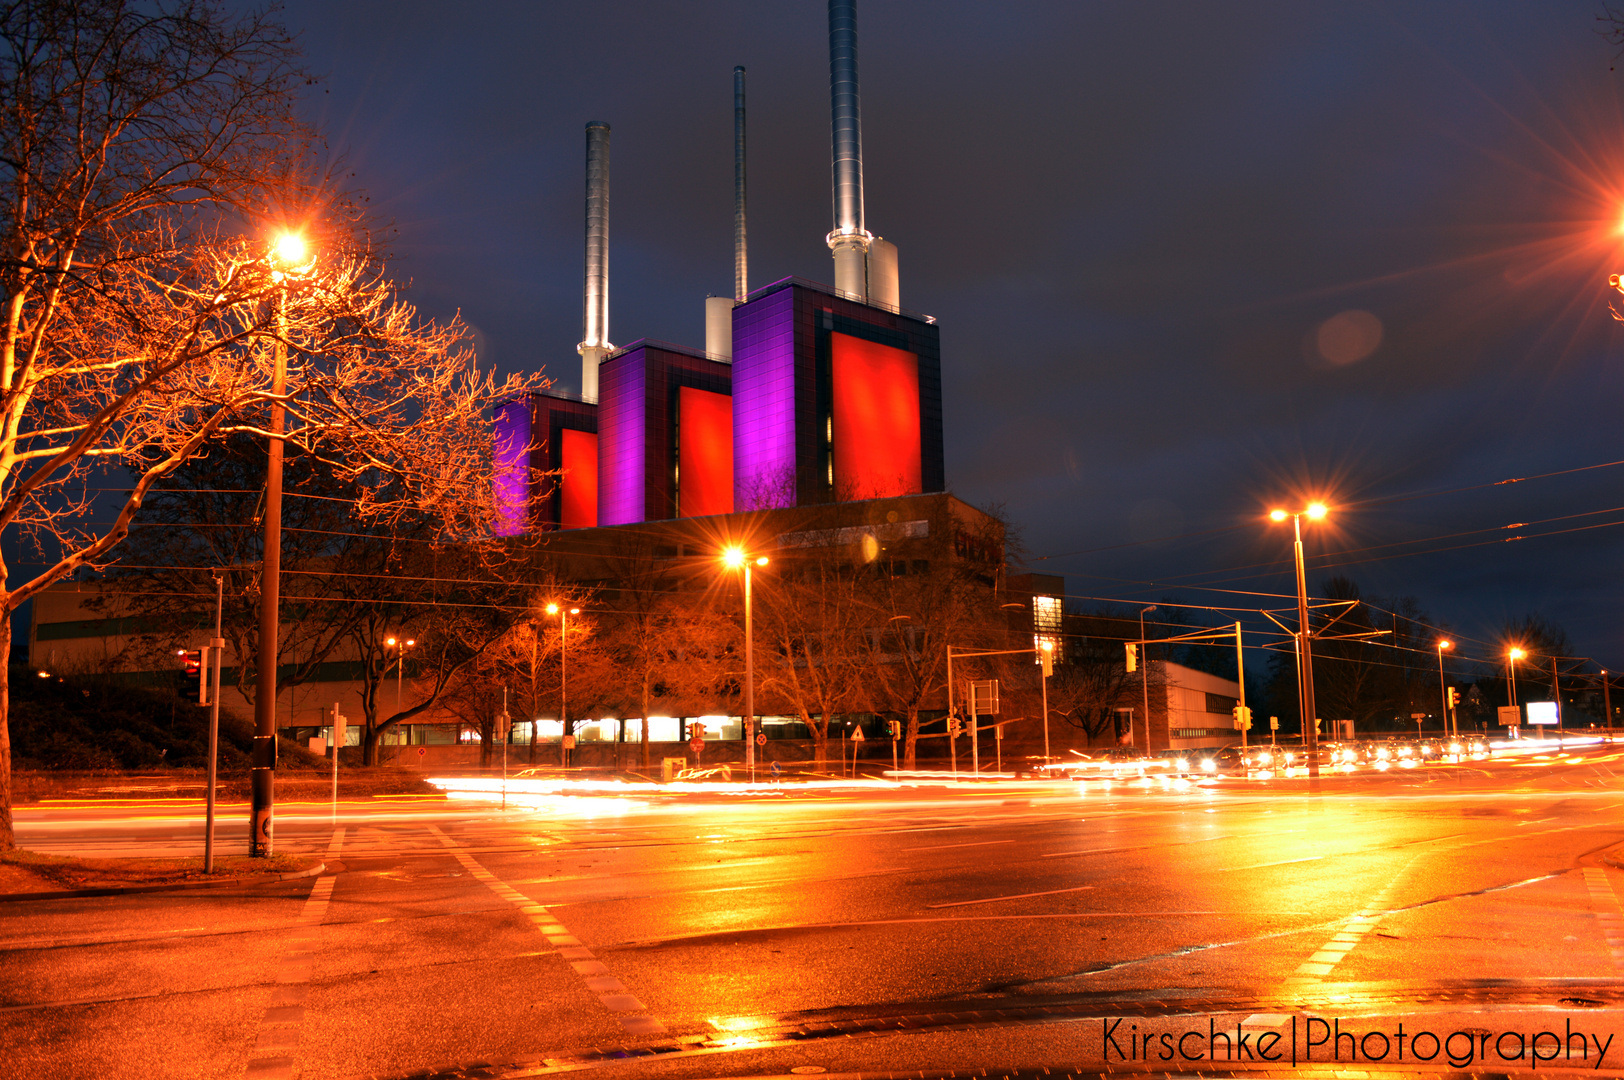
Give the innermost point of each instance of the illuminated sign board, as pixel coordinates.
(1543, 712)
(875, 425)
(704, 453)
(578, 484)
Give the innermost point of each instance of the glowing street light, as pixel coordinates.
(290, 252)
(1314, 512)
(400, 648)
(563, 679)
(1443, 690)
(1512, 656)
(734, 558)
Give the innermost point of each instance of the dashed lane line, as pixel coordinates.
(272, 1057)
(1604, 899)
(598, 979)
(1352, 933)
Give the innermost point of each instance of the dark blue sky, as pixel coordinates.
(1141, 227)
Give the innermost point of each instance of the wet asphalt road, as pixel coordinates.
(747, 935)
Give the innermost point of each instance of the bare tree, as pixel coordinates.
(916, 607)
(145, 153)
(1091, 685)
(811, 620)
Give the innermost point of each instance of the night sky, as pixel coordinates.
(1190, 261)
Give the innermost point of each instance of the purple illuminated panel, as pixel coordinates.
(764, 402)
(622, 401)
(511, 468)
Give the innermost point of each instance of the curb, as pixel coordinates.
(179, 886)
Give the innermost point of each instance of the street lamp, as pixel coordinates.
(289, 255)
(1606, 700)
(1314, 512)
(734, 558)
(400, 648)
(1512, 656)
(563, 681)
(1443, 691)
(1144, 675)
(1047, 659)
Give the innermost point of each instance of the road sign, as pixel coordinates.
(696, 744)
(857, 735)
(1274, 723)
(569, 742)
(1510, 716)
(1418, 716)
(984, 697)
(761, 738)
(421, 751)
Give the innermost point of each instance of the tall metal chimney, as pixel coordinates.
(849, 240)
(595, 295)
(741, 260)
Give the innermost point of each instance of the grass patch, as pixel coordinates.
(33, 871)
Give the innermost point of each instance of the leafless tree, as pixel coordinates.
(811, 620)
(146, 152)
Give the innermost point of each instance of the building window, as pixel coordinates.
(1218, 703)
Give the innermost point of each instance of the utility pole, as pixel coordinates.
(217, 647)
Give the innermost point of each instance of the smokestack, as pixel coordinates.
(741, 260)
(849, 240)
(595, 296)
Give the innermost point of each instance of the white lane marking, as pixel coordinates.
(1017, 896)
(608, 990)
(277, 1037)
(944, 847)
(1136, 847)
(1604, 899)
(1265, 865)
(1350, 936)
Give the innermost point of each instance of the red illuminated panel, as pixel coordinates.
(704, 453)
(578, 487)
(876, 419)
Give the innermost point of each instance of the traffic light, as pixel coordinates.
(954, 726)
(1454, 697)
(896, 729)
(194, 662)
(1243, 718)
(1133, 656)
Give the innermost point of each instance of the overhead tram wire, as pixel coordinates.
(1356, 503)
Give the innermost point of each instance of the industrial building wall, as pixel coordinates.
(643, 437)
(787, 397)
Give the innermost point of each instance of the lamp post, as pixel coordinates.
(734, 558)
(1443, 691)
(1314, 512)
(1606, 700)
(563, 681)
(1046, 658)
(1144, 675)
(1512, 656)
(400, 648)
(289, 252)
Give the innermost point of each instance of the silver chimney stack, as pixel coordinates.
(595, 296)
(849, 241)
(741, 259)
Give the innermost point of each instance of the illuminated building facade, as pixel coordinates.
(665, 422)
(834, 399)
(546, 464)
